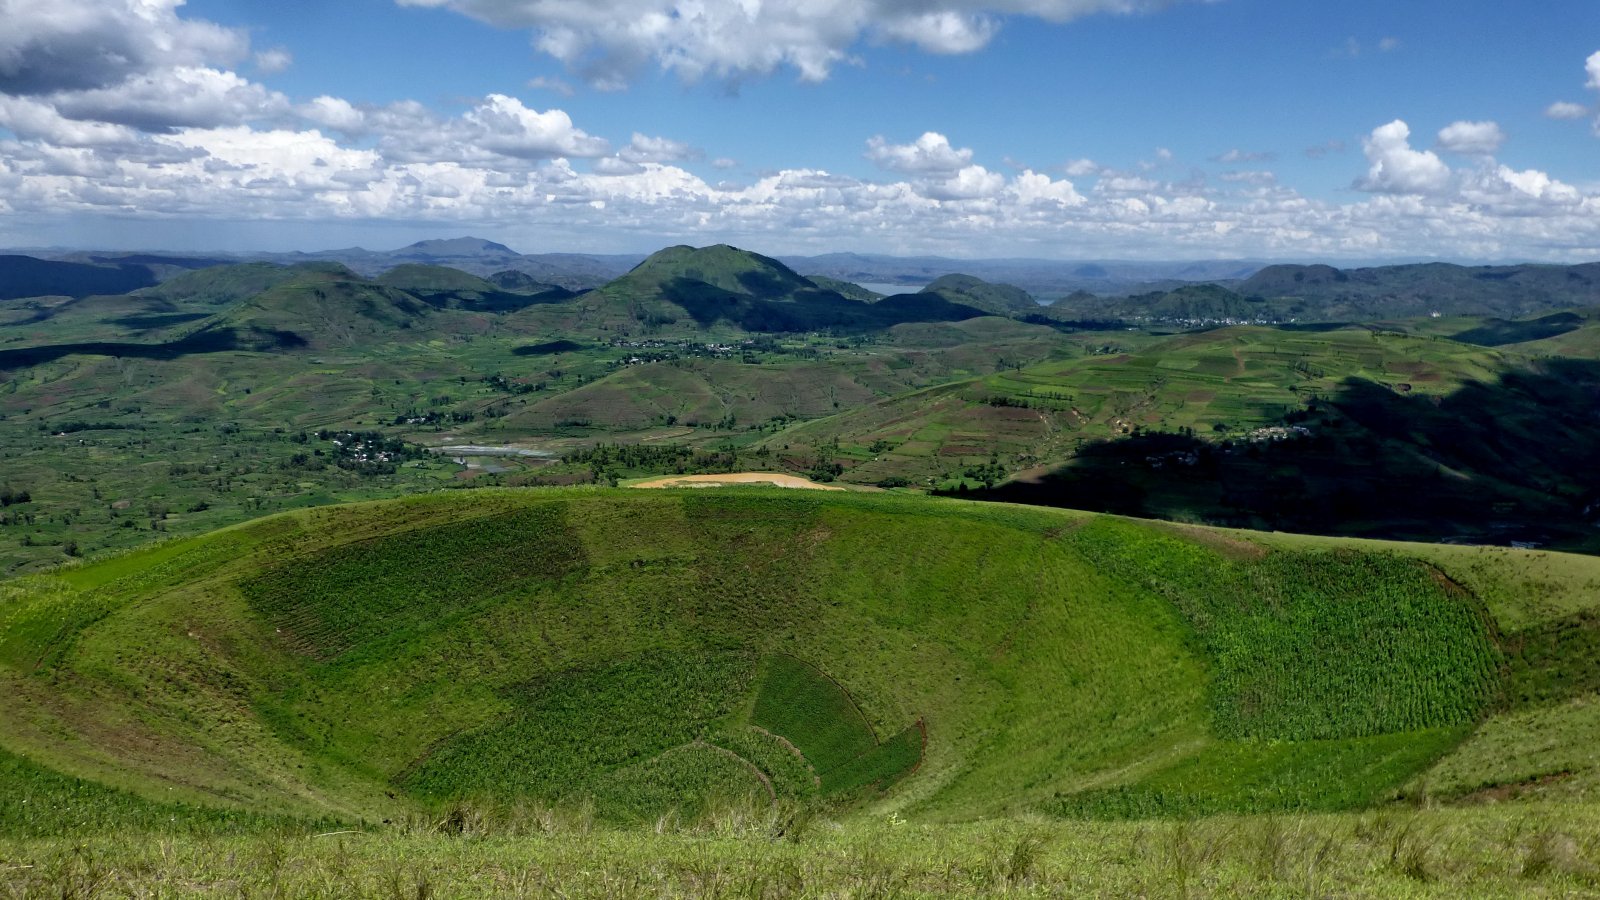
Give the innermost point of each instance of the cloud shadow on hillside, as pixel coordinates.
(1492, 462)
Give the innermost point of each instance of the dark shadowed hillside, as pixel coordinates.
(1489, 462)
(25, 276)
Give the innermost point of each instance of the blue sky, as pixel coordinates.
(1234, 128)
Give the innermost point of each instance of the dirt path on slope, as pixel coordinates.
(788, 481)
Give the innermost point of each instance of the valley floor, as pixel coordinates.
(1487, 851)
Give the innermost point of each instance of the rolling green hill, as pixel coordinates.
(1574, 334)
(430, 278)
(221, 285)
(518, 282)
(447, 288)
(1199, 303)
(994, 299)
(721, 266)
(636, 652)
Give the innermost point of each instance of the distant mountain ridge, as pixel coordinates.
(462, 246)
(480, 257)
(1043, 278)
(1325, 294)
(1425, 288)
(1080, 289)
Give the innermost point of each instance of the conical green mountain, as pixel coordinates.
(721, 266)
(724, 286)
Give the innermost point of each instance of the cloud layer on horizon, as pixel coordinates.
(169, 131)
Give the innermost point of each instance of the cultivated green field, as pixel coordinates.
(821, 693)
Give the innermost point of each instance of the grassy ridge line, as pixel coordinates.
(1265, 776)
(1520, 588)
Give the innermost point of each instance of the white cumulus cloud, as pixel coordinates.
(274, 60)
(336, 113)
(1538, 185)
(608, 43)
(127, 63)
(32, 119)
(1397, 168)
(1033, 188)
(1472, 138)
(193, 97)
(970, 183)
(930, 153)
(503, 125)
(73, 45)
(943, 31)
(1562, 109)
(643, 148)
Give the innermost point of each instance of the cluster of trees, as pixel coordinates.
(668, 459)
(511, 386)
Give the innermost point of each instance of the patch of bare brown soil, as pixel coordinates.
(774, 478)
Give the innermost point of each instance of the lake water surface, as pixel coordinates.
(889, 290)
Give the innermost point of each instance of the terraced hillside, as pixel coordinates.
(658, 653)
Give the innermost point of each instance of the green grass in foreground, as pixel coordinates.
(1547, 850)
